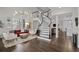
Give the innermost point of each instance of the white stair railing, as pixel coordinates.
(44, 26)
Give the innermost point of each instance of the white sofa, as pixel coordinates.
(9, 36)
(10, 40)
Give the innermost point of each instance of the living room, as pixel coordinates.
(39, 29)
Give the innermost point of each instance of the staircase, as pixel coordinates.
(44, 32)
(44, 29)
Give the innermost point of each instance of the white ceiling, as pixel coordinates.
(8, 11)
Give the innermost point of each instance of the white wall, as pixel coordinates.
(78, 29)
(75, 14)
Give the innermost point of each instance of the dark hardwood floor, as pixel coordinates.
(62, 44)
